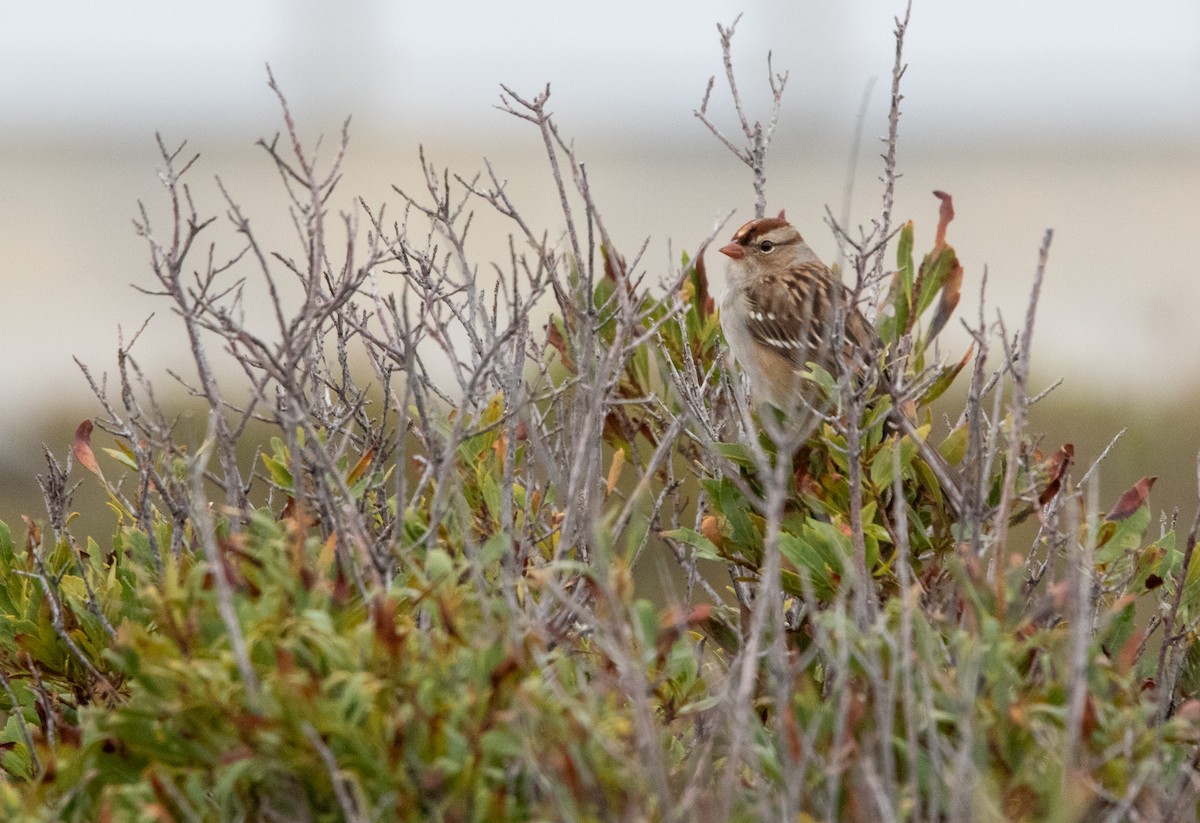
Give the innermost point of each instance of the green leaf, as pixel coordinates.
(501, 744)
(17, 760)
(139, 546)
(732, 504)
(823, 550)
(946, 376)
(883, 467)
(645, 624)
(705, 548)
(496, 547)
(489, 489)
(121, 456)
(701, 705)
(1125, 535)
(281, 476)
(737, 453)
(1191, 585)
(1148, 561)
(954, 447)
(438, 565)
(894, 319)
(1121, 628)
(904, 262)
(934, 277)
(7, 547)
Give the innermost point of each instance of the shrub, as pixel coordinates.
(417, 601)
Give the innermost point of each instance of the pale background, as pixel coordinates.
(1081, 116)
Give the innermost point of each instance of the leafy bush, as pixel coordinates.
(418, 601)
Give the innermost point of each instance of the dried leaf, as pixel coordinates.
(1089, 722)
(34, 536)
(792, 731)
(614, 266)
(1132, 500)
(1189, 710)
(387, 634)
(449, 618)
(1020, 802)
(675, 621)
(614, 470)
(938, 271)
(360, 467)
(710, 527)
(555, 338)
(1057, 467)
(83, 449)
(1127, 655)
(945, 215)
(327, 554)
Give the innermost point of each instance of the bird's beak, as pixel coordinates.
(733, 250)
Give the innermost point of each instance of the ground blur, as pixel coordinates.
(1115, 318)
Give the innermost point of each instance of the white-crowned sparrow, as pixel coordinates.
(784, 311)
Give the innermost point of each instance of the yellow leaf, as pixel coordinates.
(360, 468)
(614, 471)
(325, 558)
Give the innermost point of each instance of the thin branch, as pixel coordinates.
(1018, 409)
(758, 137)
(875, 282)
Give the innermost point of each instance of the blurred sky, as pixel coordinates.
(1024, 69)
(1084, 116)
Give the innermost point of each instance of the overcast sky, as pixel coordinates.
(1029, 69)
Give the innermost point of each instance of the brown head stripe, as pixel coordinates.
(757, 227)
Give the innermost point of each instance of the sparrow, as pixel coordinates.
(783, 312)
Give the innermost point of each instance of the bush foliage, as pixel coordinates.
(427, 599)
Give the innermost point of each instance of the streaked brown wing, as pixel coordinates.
(794, 316)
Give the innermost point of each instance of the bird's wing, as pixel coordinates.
(795, 315)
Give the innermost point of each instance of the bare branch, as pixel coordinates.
(758, 137)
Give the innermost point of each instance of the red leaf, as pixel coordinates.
(83, 449)
(675, 618)
(1088, 723)
(1057, 466)
(34, 537)
(1128, 653)
(794, 739)
(675, 621)
(387, 633)
(555, 338)
(952, 289)
(1132, 500)
(945, 215)
(614, 266)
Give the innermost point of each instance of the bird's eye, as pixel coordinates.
(766, 246)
